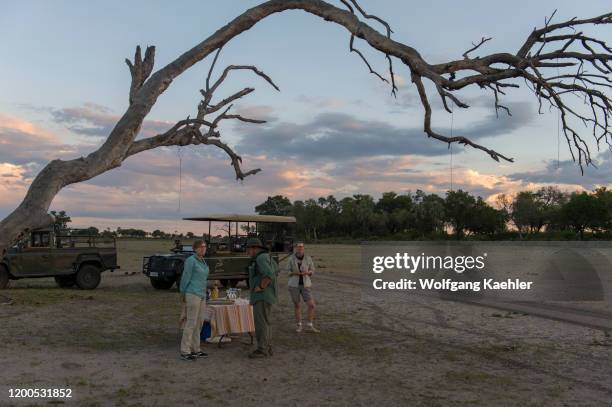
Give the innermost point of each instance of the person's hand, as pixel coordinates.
(183, 298)
(258, 289)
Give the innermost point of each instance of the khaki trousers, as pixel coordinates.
(196, 309)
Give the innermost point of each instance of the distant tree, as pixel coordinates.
(429, 213)
(363, 210)
(108, 233)
(604, 196)
(347, 221)
(314, 218)
(486, 220)
(400, 220)
(531, 212)
(458, 207)
(130, 232)
(189, 235)
(247, 228)
(526, 213)
(90, 231)
(390, 201)
(61, 219)
(299, 212)
(331, 212)
(398, 211)
(549, 201)
(275, 205)
(584, 211)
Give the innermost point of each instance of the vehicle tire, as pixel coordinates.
(4, 277)
(88, 277)
(161, 284)
(66, 281)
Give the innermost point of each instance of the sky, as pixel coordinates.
(332, 129)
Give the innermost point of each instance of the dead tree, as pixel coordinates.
(584, 60)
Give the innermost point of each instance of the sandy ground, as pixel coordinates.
(118, 345)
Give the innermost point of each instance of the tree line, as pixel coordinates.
(547, 213)
(62, 220)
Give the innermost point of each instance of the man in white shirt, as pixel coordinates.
(300, 268)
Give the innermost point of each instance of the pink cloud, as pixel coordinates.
(145, 189)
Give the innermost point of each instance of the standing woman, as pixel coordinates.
(194, 282)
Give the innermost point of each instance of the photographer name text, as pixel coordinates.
(405, 262)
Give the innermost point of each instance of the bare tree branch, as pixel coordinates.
(140, 69)
(353, 49)
(430, 133)
(476, 46)
(363, 58)
(369, 16)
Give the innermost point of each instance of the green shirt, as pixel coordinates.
(260, 267)
(194, 279)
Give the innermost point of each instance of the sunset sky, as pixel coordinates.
(333, 129)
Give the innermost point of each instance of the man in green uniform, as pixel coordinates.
(262, 280)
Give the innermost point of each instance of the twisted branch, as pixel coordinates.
(189, 131)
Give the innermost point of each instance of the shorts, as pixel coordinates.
(296, 292)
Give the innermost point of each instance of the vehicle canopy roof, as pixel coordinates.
(233, 217)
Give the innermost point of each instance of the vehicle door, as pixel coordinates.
(65, 254)
(36, 259)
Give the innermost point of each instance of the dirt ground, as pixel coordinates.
(118, 345)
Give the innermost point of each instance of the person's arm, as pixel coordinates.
(265, 270)
(186, 275)
(263, 284)
(311, 266)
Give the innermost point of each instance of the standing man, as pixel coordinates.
(194, 281)
(300, 268)
(262, 281)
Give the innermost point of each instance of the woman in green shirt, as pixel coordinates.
(194, 281)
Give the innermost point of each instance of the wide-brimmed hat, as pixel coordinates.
(255, 242)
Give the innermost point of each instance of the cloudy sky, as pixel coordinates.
(333, 128)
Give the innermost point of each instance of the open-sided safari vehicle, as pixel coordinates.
(71, 258)
(226, 256)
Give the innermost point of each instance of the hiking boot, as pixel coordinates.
(311, 328)
(258, 354)
(187, 356)
(270, 353)
(298, 328)
(200, 354)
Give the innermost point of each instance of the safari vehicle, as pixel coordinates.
(60, 253)
(226, 256)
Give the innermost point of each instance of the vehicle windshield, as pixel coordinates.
(230, 232)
